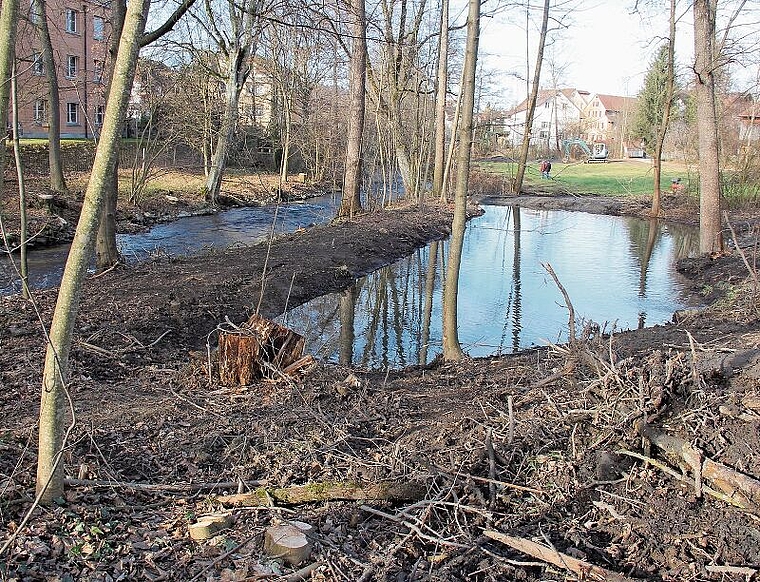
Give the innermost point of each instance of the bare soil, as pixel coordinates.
(537, 445)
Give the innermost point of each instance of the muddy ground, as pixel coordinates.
(544, 445)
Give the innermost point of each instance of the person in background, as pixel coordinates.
(546, 168)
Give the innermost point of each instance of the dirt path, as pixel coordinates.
(528, 445)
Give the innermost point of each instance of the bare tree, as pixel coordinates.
(532, 98)
(57, 179)
(55, 374)
(705, 65)
(8, 27)
(452, 350)
(351, 201)
(441, 88)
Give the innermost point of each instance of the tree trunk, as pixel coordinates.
(351, 202)
(440, 101)
(451, 348)
(346, 337)
(57, 179)
(8, 25)
(522, 162)
(427, 310)
(236, 75)
(21, 187)
(106, 250)
(662, 130)
(710, 235)
(55, 374)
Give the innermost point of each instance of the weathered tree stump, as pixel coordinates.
(258, 348)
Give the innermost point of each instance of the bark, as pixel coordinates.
(452, 350)
(351, 201)
(55, 374)
(710, 235)
(440, 101)
(662, 130)
(523, 160)
(57, 179)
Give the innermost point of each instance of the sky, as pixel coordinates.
(605, 49)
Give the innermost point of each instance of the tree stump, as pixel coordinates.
(259, 348)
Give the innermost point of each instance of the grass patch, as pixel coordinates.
(615, 178)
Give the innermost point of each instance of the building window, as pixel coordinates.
(72, 113)
(71, 20)
(72, 62)
(546, 105)
(40, 111)
(98, 28)
(100, 112)
(544, 125)
(97, 71)
(543, 134)
(38, 67)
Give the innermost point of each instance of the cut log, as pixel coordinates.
(289, 542)
(208, 526)
(326, 491)
(257, 349)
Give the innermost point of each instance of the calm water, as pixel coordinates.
(186, 236)
(618, 271)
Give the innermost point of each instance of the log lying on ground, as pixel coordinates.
(258, 348)
(740, 489)
(326, 491)
(583, 570)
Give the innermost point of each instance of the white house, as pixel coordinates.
(558, 115)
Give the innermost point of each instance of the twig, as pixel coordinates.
(752, 272)
(224, 556)
(302, 574)
(413, 528)
(165, 487)
(568, 303)
(491, 469)
(511, 412)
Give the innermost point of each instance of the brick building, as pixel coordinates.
(80, 33)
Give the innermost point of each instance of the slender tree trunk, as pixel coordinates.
(21, 187)
(57, 179)
(710, 235)
(427, 310)
(662, 130)
(286, 104)
(236, 75)
(347, 309)
(351, 202)
(106, 250)
(55, 374)
(452, 350)
(523, 160)
(8, 24)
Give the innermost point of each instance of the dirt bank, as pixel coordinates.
(540, 445)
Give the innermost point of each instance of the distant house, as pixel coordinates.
(749, 124)
(79, 32)
(558, 115)
(607, 116)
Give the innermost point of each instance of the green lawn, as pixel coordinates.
(614, 178)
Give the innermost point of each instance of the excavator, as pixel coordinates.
(598, 151)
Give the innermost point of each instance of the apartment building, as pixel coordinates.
(80, 33)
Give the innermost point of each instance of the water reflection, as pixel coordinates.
(617, 271)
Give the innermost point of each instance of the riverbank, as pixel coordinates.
(528, 444)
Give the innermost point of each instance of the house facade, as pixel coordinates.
(80, 33)
(558, 115)
(607, 118)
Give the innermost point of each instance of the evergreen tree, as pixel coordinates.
(651, 100)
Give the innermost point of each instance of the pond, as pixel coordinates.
(619, 273)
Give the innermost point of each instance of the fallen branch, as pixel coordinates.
(568, 303)
(169, 488)
(327, 491)
(742, 490)
(582, 569)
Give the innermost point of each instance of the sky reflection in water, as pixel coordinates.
(617, 270)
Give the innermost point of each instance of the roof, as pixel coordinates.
(543, 96)
(615, 102)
